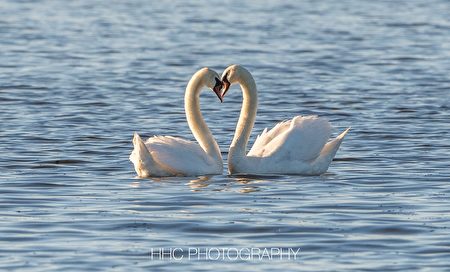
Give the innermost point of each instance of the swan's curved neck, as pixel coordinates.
(195, 119)
(238, 148)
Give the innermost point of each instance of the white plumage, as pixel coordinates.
(171, 156)
(296, 146)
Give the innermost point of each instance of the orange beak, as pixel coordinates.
(226, 85)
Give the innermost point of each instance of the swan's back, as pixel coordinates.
(163, 156)
(181, 157)
(300, 139)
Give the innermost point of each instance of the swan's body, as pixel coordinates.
(171, 156)
(296, 146)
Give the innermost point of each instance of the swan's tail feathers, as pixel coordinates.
(332, 147)
(142, 159)
(329, 151)
(342, 135)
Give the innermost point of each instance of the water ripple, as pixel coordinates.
(78, 78)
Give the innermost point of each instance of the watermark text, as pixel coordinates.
(224, 254)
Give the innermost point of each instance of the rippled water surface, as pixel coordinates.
(77, 78)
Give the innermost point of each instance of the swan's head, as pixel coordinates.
(212, 81)
(233, 74)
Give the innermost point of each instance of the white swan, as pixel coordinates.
(170, 156)
(296, 146)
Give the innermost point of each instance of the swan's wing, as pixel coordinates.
(266, 136)
(302, 140)
(179, 156)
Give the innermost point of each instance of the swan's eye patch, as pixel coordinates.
(218, 89)
(218, 82)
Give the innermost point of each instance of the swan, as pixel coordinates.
(162, 156)
(296, 146)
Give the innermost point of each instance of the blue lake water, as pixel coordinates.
(77, 78)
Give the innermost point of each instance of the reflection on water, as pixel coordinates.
(200, 182)
(250, 184)
(77, 78)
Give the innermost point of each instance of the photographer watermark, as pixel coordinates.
(224, 254)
